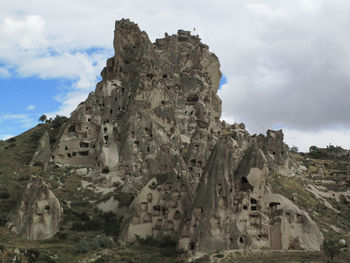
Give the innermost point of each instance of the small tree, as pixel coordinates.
(43, 118)
(331, 248)
(294, 149)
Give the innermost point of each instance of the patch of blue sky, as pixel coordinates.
(278, 126)
(223, 81)
(19, 93)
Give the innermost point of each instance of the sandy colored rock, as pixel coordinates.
(39, 213)
(152, 127)
(42, 154)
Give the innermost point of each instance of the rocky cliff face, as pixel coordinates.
(39, 213)
(153, 127)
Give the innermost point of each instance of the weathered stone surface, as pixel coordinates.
(153, 127)
(42, 154)
(39, 213)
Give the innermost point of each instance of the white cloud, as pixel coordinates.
(30, 107)
(26, 121)
(4, 73)
(305, 139)
(286, 62)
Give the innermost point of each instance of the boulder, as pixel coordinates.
(39, 212)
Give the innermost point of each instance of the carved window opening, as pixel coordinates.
(105, 170)
(84, 145)
(192, 245)
(150, 76)
(66, 148)
(105, 129)
(165, 76)
(71, 128)
(177, 215)
(149, 197)
(192, 98)
(74, 154)
(156, 208)
(84, 153)
(47, 207)
(245, 207)
(245, 184)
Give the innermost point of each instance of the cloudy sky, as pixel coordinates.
(286, 63)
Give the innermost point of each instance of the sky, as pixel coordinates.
(285, 63)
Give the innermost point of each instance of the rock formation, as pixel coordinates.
(153, 123)
(39, 213)
(42, 154)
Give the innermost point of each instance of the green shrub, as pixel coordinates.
(331, 248)
(101, 241)
(13, 139)
(83, 246)
(4, 195)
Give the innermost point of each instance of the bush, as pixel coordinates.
(83, 246)
(4, 195)
(61, 235)
(32, 254)
(101, 241)
(13, 139)
(331, 248)
(166, 244)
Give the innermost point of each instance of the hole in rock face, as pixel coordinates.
(245, 207)
(241, 240)
(47, 207)
(253, 201)
(150, 76)
(105, 170)
(84, 153)
(192, 245)
(165, 76)
(66, 148)
(71, 128)
(192, 98)
(84, 145)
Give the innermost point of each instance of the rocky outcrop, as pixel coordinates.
(42, 154)
(39, 213)
(153, 127)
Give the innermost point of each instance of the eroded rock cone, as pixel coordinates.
(39, 213)
(153, 123)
